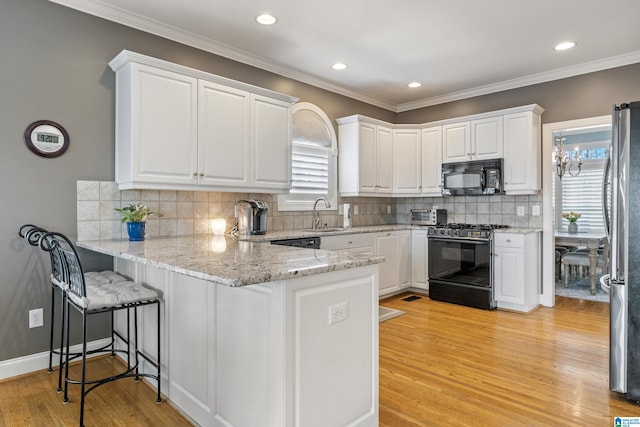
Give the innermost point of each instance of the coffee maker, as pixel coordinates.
(252, 216)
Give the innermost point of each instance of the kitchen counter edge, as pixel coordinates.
(227, 261)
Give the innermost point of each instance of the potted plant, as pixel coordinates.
(572, 217)
(135, 215)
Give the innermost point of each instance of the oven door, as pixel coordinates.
(460, 261)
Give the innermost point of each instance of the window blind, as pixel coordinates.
(310, 169)
(583, 194)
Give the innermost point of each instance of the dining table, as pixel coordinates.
(589, 239)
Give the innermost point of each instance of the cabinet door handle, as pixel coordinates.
(195, 174)
(508, 240)
(202, 175)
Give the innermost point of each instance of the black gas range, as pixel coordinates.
(461, 264)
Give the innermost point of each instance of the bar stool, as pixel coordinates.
(90, 297)
(32, 234)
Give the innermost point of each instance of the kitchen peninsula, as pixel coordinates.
(259, 334)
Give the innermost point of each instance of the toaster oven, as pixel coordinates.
(429, 216)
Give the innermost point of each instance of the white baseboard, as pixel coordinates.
(36, 362)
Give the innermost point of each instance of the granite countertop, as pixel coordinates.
(518, 230)
(331, 231)
(224, 260)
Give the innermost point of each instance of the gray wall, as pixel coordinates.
(54, 66)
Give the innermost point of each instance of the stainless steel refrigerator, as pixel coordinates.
(622, 221)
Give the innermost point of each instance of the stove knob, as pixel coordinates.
(456, 232)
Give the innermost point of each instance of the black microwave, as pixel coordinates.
(472, 178)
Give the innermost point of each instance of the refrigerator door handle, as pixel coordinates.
(606, 189)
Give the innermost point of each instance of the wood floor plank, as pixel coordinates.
(447, 364)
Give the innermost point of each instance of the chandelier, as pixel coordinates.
(565, 163)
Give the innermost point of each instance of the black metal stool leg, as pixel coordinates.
(84, 366)
(53, 303)
(135, 337)
(65, 313)
(158, 399)
(66, 363)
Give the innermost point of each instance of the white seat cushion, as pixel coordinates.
(94, 278)
(580, 258)
(114, 294)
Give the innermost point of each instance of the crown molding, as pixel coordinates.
(120, 16)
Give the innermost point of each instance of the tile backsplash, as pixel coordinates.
(190, 212)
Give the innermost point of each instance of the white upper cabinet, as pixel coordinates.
(270, 142)
(365, 158)
(180, 128)
(473, 140)
(407, 161)
(431, 154)
(156, 133)
(456, 142)
(382, 159)
(522, 152)
(223, 151)
(487, 138)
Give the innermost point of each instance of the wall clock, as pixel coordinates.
(46, 138)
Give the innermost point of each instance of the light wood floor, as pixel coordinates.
(444, 364)
(440, 364)
(31, 400)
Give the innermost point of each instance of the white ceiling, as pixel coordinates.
(456, 48)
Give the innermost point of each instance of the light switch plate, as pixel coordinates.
(535, 210)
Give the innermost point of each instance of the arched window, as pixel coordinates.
(314, 166)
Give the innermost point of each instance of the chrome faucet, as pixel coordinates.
(316, 214)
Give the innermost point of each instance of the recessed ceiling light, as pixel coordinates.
(414, 84)
(564, 46)
(266, 19)
(339, 66)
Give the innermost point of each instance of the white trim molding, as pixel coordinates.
(39, 361)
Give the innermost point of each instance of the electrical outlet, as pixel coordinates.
(535, 210)
(355, 209)
(340, 209)
(338, 313)
(520, 210)
(36, 318)
(388, 209)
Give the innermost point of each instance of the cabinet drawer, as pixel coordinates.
(509, 240)
(349, 241)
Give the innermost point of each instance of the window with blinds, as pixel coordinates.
(583, 193)
(310, 169)
(313, 160)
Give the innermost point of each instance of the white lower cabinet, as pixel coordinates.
(517, 270)
(394, 246)
(395, 272)
(263, 355)
(420, 259)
